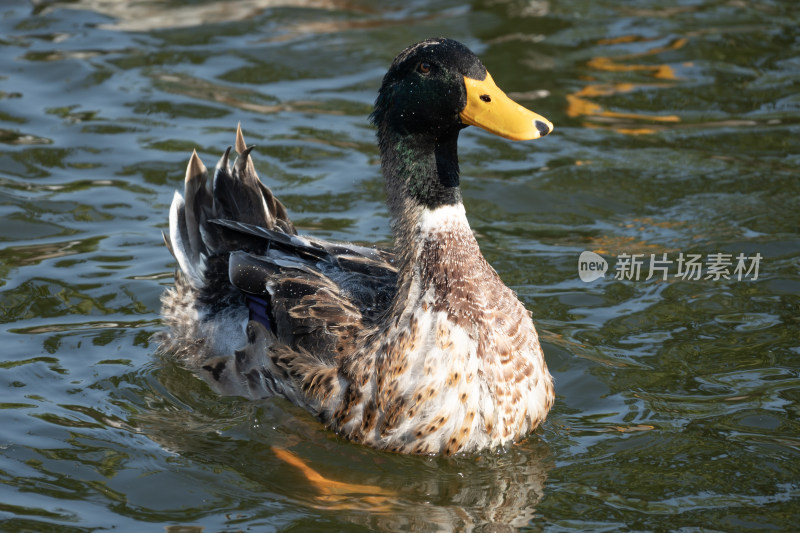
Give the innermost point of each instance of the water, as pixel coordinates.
(676, 133)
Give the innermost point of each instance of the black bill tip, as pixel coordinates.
(543, 128)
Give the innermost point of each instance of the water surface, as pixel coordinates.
(676, 134)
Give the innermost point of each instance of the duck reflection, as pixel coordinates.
(497, 492)
(301, 466)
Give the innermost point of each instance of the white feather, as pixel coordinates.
(179, 246)
(434, 220)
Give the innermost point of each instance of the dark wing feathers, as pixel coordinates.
(230, 233)
(269, 237)
(315, 305)
(249, 273)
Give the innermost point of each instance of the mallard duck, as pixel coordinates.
(420, 350)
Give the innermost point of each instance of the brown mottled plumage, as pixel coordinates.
(421, 350)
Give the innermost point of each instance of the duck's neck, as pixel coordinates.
(421, 175)
(437, 253)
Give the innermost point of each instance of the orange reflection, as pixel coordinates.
(618, 243)
(582, 103)
(333, 494)
(609, 65)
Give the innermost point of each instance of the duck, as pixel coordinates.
(417, 349)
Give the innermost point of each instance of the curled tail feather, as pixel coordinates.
(235, 194)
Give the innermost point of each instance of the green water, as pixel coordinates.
(677, 128)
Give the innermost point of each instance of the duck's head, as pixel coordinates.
(439, 86)
(433, 90)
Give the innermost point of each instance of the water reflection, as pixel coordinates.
(147, 16)
(290, 454)
(154, 16)
(582, 103)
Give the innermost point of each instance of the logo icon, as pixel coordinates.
(591, 266)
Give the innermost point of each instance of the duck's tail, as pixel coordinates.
(234, 194)
(205, 313)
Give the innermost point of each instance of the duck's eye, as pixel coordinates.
(424, 67)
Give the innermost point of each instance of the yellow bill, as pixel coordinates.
(488, 107)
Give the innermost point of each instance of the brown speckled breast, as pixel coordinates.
(461, 367)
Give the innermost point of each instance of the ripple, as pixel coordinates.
(677, 400)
